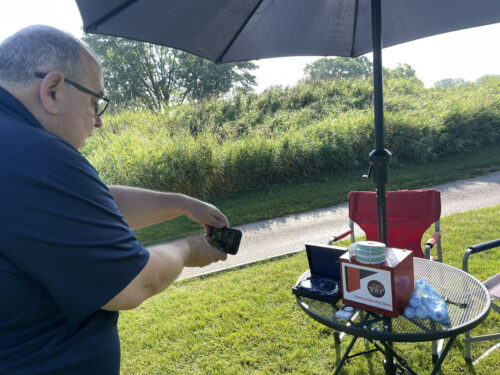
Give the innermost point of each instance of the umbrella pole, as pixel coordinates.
(379, 158)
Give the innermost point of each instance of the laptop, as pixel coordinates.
(324, 265)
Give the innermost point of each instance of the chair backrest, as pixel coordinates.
(409, 214)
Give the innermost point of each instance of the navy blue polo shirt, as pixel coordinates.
(65, 251)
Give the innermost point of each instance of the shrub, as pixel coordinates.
(249, 140)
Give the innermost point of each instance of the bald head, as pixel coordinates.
(58, 98)
(39, 48)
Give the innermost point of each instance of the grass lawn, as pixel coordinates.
(246, 321)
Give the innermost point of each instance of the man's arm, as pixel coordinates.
(164, 266)
(142, 207)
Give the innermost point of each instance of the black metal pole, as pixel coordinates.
(378, 92)
(379, 158)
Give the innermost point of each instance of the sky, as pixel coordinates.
(467, 54)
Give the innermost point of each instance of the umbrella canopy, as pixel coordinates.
(237, 30)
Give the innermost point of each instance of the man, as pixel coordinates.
(68, 258)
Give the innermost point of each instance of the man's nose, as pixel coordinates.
(98, 122)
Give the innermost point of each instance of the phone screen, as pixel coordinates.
(225, 239)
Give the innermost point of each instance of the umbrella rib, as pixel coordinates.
(94, 25)
(355, 24)
(219, 59)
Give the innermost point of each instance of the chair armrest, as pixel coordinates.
(474, 249)
(339, 236)
(433, 240)
(484, 246)
(430, 244)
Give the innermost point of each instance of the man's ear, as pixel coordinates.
(51, 92)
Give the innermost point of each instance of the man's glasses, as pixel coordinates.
(101, 105)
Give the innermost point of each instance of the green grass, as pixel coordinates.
(328, 190)
(246, 321)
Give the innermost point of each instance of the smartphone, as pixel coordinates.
(225, 239)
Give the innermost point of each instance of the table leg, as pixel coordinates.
(346, 355)
(336, 335)
(389, 365)
(390, 368)
(401, 362)
(441, 358)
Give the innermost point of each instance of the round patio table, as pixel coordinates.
(468, 304)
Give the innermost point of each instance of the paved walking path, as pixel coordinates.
(271, 238)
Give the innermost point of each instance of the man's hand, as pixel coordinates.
(206, 214)
(202, 253)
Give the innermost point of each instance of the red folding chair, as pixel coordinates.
(409, 214)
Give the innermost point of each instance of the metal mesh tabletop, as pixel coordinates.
(469, 305)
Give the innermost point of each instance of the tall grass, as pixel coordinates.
(247, 141)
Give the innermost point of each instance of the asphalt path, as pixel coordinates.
(288, 234)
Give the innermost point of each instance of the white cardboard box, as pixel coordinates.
(384, 288)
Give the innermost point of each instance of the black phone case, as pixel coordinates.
(226, 239)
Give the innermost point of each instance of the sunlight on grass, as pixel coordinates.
(246, 321)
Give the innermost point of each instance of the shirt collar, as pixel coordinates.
(12, 107)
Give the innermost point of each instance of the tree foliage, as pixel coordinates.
(154, 76)
(486, 78)
(450, 82)
(401, 71)
(338, 68)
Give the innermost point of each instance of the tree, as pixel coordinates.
(338, 68)
(201, 78)
(450, 82)
(401, 71)
(155, 76)
(486, 78)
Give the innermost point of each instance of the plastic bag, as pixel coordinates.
(426, 303)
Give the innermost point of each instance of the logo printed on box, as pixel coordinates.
(376, 289)
(367, 285)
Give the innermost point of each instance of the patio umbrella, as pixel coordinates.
(237, 30)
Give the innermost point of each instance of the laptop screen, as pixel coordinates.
(324, 260)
